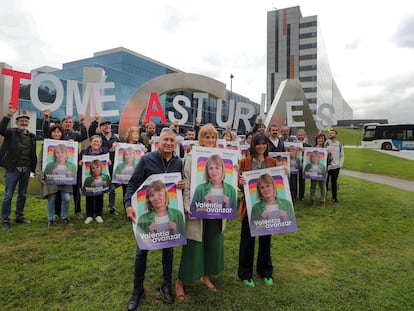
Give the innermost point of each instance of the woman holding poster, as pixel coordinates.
(258, 159)
(52, 191)
(159, 217)
(94, 200)
(203, 255)
(319, 143)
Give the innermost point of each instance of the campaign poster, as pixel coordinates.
(234, 145)
(282, 159)
(315, 163)
(244, 150)
(160, 212)
(60, 162)
(269, 202)
(126, 160)
(188, 146)
(295, 151)
(213, 186)
(95, 174)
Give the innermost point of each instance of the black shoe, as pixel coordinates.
(5, 226)
(135, 300)
(335, 200)
(51, 224)
(23, 221)
(66, 222)
(166, 293)
(113, 211)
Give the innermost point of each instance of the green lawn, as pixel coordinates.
(374, 162)
(349, 137)
(355, 255)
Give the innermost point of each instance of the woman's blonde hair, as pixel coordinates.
(216, 159)
(264, 179)
(204, 131)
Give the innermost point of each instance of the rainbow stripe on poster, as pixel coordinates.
(51, 150)
(279, 188)
(321, 159)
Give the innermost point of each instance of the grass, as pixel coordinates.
(349, 137)
(355, 255)
(374, 162)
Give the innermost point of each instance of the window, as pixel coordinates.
(307, 68)
(307, 46)
(307, 57)
(308, 24)
(307, 35)
(307, 79)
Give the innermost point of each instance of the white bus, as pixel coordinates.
(388, 136)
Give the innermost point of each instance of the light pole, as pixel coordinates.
(231, 86)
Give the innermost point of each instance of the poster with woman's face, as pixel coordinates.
(213, 189)
(95, 174)
(269, 202)
(282, 159)
(295, 151)
(59, 162)
(126, 159)
(315, 163)
(159, 207)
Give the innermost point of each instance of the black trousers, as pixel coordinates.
(333, 175)
(246, 254)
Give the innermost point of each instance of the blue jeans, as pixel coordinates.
(12, 177)
(65, 203)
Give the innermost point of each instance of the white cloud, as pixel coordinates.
(369, 44)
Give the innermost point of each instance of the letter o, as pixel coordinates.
(34, 94)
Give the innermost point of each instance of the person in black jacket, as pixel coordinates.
(161, 161)
(18, 157)
(274, 142)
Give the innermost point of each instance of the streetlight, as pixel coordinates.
(231, 86)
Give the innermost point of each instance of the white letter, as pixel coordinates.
(245, 116)
(34, 92)
(200, 97)
(290, 114)
(219, 109)
(325, 117)
(101, 98)
(176, 103)
(72, 91)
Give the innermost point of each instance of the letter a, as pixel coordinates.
(154, 99)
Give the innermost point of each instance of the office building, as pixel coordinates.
(296, 50)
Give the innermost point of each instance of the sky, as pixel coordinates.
(370, 44)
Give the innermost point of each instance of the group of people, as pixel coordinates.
(203, 254)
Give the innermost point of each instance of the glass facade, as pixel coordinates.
(128, 71)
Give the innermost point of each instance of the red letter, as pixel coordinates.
(154, 99)
(17, 75)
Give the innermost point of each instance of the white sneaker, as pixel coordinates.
(98, 219)
(88, 220)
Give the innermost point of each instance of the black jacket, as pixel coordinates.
(10, 149)
(149, 164)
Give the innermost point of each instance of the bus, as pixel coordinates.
(388, 136)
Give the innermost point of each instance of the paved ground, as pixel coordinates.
(391, 181)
